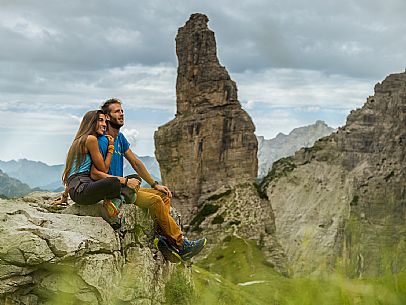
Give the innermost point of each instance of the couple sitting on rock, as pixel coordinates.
(94, 172)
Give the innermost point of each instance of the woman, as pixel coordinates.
(84, 153)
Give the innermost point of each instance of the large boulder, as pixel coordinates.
(48, 255)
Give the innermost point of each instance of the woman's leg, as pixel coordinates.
(159, 204)
(92, 192)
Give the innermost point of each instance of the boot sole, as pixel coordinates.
(170, 255)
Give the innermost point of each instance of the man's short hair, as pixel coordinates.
(106, 105)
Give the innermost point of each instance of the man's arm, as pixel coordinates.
(140, 168)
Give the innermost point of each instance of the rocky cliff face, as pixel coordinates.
(244, 212)
(211, 142)
(342, 203)
(47, 256)
(286, 145)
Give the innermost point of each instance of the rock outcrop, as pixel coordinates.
(211, 142)
(342, 203)
(48, 256)
(286, 145)
(244, 212)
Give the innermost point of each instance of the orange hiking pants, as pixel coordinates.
(158, 203)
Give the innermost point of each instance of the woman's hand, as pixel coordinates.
(62, 200)
(134, 184)
(110, 139)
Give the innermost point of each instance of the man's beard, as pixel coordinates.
(115, 125)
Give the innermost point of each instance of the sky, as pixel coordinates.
(294, 62)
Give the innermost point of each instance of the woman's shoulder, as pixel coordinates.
(96, 139)
(91, 138)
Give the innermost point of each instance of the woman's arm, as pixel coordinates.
(97, 159)
(133, 183)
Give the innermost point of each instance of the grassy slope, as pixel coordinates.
(237, 261)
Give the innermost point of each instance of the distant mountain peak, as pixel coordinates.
(11, 187)
(286, 145)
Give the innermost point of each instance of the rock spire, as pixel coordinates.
(211, 142)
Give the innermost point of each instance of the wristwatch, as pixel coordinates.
(153, 185)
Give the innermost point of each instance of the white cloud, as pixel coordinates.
(28, 28)
(269, 125)
(302, 88)
(122, 37)
(130, 134)
(29, 123)
(137, 85)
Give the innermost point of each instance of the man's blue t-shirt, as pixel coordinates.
(121, 145)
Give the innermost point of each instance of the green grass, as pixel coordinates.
(237, 261)
(179, 290)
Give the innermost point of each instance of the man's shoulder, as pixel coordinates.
(102, 139)
(122, 138)
(121, 135)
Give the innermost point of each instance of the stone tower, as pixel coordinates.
(211, 142)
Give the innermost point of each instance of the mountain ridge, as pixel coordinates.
(11, 187)
(37, 174)
(286, 145)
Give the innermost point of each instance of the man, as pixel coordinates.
(157, 198)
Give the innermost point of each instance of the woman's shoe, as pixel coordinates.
(113, 206)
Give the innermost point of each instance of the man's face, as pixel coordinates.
(116, 115)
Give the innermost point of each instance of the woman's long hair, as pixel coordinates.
(77, 150)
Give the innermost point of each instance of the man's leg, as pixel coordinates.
(159, 204)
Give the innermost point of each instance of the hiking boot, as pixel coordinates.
(190, 248)
(168, 251)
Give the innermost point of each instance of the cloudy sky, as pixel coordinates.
(294, 62)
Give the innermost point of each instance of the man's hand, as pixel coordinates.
(164, 189)
(133, 184)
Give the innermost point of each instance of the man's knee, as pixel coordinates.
(157, 201)
(165, 197)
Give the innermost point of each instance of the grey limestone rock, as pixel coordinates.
(47, 254)
(211, 142)
(341, 203)
(244, 212)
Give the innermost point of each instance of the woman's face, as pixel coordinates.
(101, 124)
